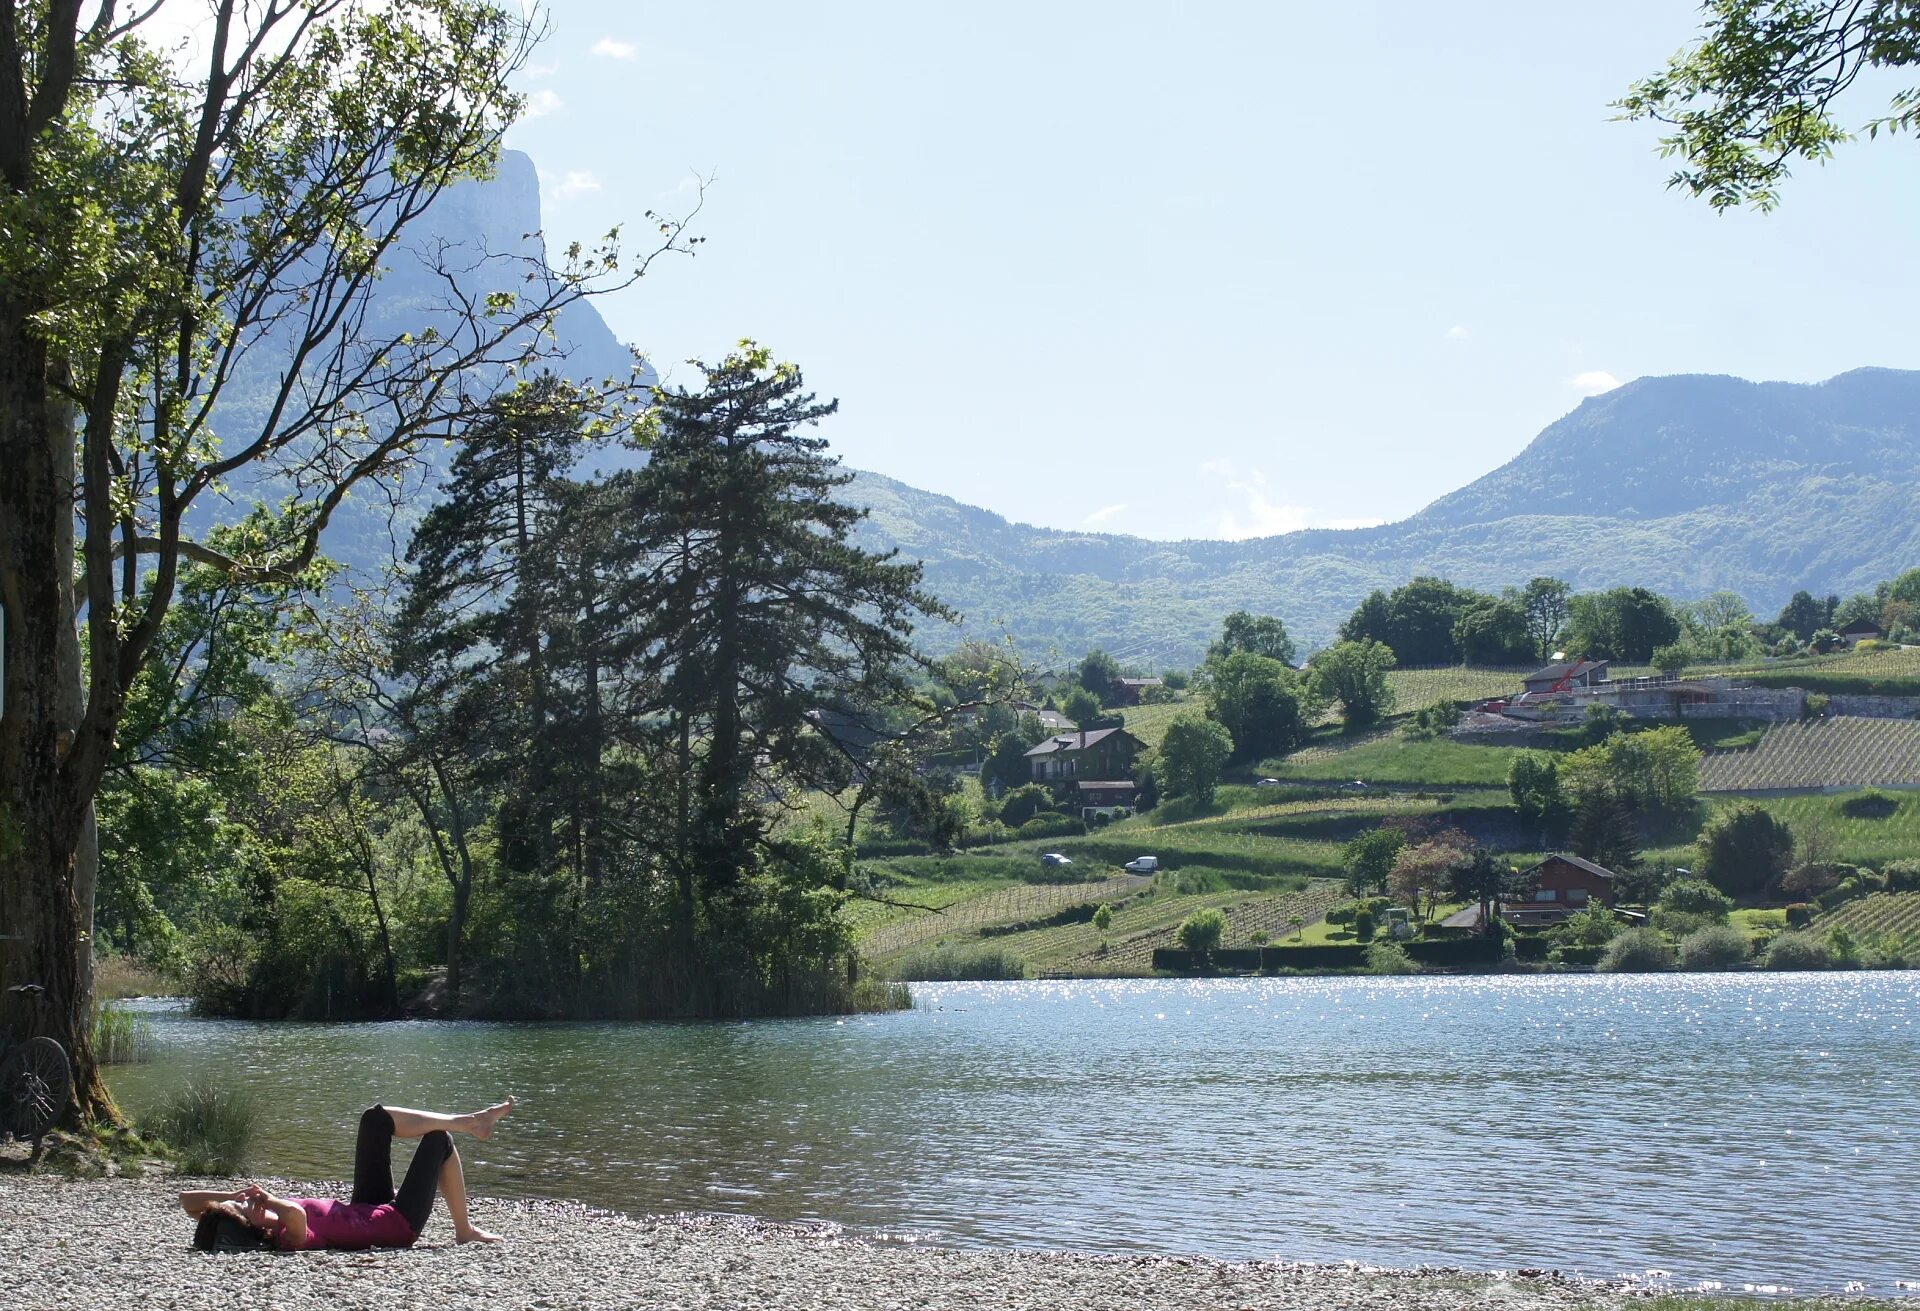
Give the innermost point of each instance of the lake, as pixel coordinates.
(1746, 1129)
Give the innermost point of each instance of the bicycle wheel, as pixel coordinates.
(34, 1082)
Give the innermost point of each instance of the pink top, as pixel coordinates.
(350, 1225)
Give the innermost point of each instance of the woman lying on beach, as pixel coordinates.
(251, 1217)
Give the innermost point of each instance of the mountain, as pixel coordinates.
(1685, 484)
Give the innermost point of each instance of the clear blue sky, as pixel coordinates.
(1214, 270)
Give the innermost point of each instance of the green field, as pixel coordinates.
(1389, 758)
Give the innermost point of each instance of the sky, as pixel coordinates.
(1214, 270)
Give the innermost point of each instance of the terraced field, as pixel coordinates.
(1149, 723)
(1146, 923)
(1006, 905)
(1883, 915)
(1844, 751)
(1416, 689)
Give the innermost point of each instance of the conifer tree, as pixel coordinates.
(774, 637)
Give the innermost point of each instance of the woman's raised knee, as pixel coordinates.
(438, 1139)
(376, 1117)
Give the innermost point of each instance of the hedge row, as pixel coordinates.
(1342, 956)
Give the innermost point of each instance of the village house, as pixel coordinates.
(1108, 797)
(1562, 884)
(1861, 630)
(1066, 758)
(1564, 675)
(1127, 691)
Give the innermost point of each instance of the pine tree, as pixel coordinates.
(775, 639)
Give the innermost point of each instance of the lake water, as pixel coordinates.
(1747, 1129)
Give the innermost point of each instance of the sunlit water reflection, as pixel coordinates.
(1750, 1129)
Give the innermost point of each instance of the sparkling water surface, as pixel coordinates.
(1742, 1129)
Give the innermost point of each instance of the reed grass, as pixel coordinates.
(120, 1037)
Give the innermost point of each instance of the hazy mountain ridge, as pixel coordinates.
(1685, 484)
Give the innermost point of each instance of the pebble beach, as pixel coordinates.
(94, 1244)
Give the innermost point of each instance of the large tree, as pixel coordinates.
(1263, 635)
(1416, 620)
(1763, 86)
(169, 216)
(1353, 674)
(1258, 699)
(773, 638)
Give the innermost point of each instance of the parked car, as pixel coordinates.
(1142, 865)
(1358, 785)
(1054, 858)
(1267, 783)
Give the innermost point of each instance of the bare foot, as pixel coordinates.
(484, 1121)
(475, 1234)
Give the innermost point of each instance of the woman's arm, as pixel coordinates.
(195, 1203)
(279, 1213)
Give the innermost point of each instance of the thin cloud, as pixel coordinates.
(1258, 515)
(566, 186)
(1105, 513)
(1458, 332)
(1593, 382)
(612, 47)
(543, 102)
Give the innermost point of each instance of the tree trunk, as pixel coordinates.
(48, 854)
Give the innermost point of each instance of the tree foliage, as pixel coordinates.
(1762, 89)
(1192, 756)
(1744, 849)
(1261, 635)
(1258, 700)
(170, 215)
(1368, 859)
(1416, 621)
(1354, 676)
(1623, 623)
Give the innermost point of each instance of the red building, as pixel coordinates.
(1562, 884)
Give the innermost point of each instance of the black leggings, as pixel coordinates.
(373, 1168)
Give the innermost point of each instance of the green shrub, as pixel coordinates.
(1797, 951)
(1902, 876)
(949, 962)
(1679, 924)
(1202, 931)
(1052, 824)
(1844, 951)
(1696, 897)
(1799, 915)
(1716, 947)
(1363, 924)
(1103, 918)
(1577, 954)
(1637, 951)
(1595, 926)
(212, 1127)
(1870, 805)
(1023, 803)
(1389, 958)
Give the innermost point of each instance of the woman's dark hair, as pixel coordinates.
(216, 1231)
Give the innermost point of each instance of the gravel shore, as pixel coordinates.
(108, 1243)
